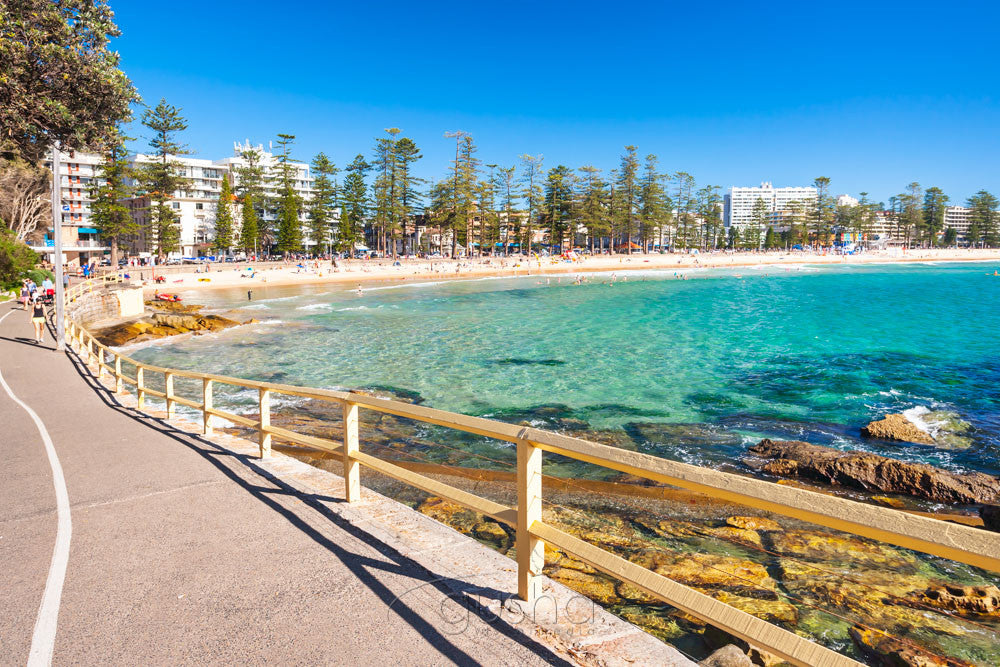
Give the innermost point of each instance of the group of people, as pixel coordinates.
(33, 298)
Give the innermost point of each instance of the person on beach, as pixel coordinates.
(249, 295)
(37, 317)
(359, 290)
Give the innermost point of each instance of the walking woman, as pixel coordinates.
(38, 317)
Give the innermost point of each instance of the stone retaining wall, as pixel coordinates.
(109, 303)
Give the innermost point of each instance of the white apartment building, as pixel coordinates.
(847, 200)
(959, 218)
(739, 202)
(193, 204)
(302, 180)
(78, 172)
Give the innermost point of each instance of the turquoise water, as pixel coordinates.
(691, 369)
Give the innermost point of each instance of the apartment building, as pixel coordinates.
(739, 202)
(78, 172)
(959, 218)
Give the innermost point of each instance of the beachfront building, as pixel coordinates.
(193, 204)
(81, 242)
(302, 183)
(738, 203)
(958, 218)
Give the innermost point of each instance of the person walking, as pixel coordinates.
(38, 317)
(25, 294)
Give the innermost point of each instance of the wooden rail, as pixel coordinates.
(956, 542)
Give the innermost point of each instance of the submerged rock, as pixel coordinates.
(727, 656)
(871, 472)
(884, 649)
(896, 427)
(990, 515)
(975, 600)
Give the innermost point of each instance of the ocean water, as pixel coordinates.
(693, 369)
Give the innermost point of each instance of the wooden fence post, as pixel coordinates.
(530, 550)
(100, 363)
(168, 382)
(352, 469)
(90, 350)
(118, 373)
(265, 422)
(206, 399)
(140, 387)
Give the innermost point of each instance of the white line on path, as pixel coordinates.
(44, 638)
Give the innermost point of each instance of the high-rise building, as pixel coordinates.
(959, 218)
(78, 172)
(739, 202)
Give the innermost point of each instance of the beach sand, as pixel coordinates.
(232, 275)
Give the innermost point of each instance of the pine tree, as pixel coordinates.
(324, 201)
(592, 198)
(248, 228)
(823, 211)
(531, 180)
(985, 219)
(355, 204)
(935, 201)
(652, 204)
(760, 214)
(160, 179)
(628, 171)
(557, 213)
(288, 203)
(224, 218)
(511, 225)
(408, 188)
(108, 211)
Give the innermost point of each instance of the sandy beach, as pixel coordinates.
(279, 274)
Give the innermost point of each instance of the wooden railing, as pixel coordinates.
(956, 542)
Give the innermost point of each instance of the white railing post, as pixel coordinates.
(530, 550)
(168, 382)
(265, 422)
(140, 388)
(352, 469)
(118, 373)
(206, 425)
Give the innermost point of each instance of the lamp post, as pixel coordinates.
(57, 257)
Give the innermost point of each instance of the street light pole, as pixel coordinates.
(57, 257)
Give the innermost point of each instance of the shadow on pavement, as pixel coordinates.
(359, 565)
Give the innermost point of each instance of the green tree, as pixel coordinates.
(288, 203)
(710, 212)
(911, 213)
(592, 197)
(223, 240)
(531, 182)
(771, 239)
(823, 211)
(15, 258)
(628, 175)
(108, 211)
(324, 201)
(754, 236)
(160, 178)
(58, 80)
(935, 202)
(355, 204)
(511, 223)
(408, 188)
(652, 204)
(249, 225)
(984, 218)
(683, 205)
(557, 212)
(950, 236)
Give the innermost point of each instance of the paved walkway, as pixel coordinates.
(184, 551)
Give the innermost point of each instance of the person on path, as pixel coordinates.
(25, 294)
(38, 317)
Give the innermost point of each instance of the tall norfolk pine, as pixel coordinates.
(223, 240)
(160, 179)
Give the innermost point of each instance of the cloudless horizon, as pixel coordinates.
(873, 97)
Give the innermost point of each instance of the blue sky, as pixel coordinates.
(873, 95)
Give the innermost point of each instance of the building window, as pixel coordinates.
(175, 205)
(199, 206)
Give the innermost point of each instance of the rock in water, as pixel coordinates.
(727, 656)
(884, 649)
(990, 515)
(871, 472)
(896, 427)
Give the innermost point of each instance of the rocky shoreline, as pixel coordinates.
(878, 603)
(164, 319)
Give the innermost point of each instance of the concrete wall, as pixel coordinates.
(107, 304)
